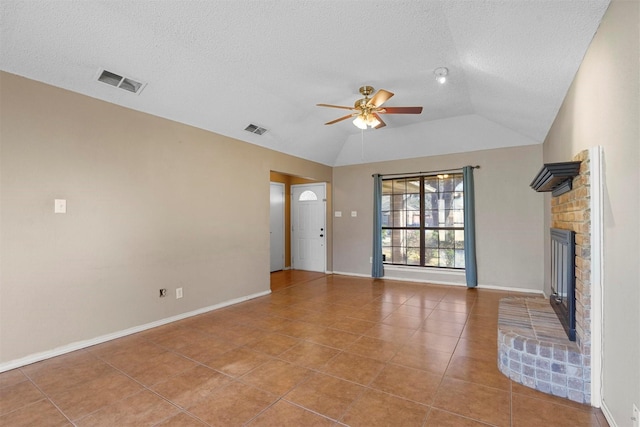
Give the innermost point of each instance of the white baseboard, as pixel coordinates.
(607, 414)
(511, 289)
(342, 273)
(37, 357)
(441, 282)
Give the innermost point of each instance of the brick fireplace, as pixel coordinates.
(570, 211)
(534, 349)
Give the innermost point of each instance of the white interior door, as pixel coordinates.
(276, 228)
(308, 228)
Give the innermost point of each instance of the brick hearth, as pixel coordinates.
(533, 350)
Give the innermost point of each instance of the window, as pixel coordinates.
(307, 196)
(423, 221)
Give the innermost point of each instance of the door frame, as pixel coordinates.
(281, 187)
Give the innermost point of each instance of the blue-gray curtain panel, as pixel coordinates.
(377, 268)
(470, 266)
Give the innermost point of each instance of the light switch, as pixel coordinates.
(354, 214)
(60, 206)
(338, 214)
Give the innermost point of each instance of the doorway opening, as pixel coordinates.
(288, 181)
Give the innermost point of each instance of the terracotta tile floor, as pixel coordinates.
(320, 350)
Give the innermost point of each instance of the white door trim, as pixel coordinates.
(280, 262)
(597, 264)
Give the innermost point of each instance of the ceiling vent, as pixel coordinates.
(121, 82)
(255, 129)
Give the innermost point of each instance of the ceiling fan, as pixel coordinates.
(367, 110)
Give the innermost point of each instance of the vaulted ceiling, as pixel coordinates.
(221, 65)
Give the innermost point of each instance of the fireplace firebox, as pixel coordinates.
(563, 279)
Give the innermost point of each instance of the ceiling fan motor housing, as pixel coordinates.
(366, 90)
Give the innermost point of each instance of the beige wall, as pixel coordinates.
(151, 204)
(601, 108)
(509, 215)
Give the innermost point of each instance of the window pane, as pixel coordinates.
(431, 239)
(386, 237)
(307, 195)
(387, 219)
(413, 201)
(431, 218)
(458, 201)
(458, 218)
(386, 203)
(431, 257)
(398, 202)
(412, 238)
(430, 185)
(447, 239)
(397, 238)
(413, 218)
(459, 258)
(448, 218)
(446, 258)
(446, 184)
(399, 219)
(459, 234)
(398, 255)
(430, 200)
(386, 254)
(413, 186)
(387, 187)
(458, 182)
(399, 186)
(413, 256)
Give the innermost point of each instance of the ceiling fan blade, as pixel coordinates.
(334, 106)
(382, 123)
(401, 110)
(339, 120)
(379, 98)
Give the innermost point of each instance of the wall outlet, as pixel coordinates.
(163, 292)
(178, 293)
(636, 416)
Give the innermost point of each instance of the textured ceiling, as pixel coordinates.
(220, 65)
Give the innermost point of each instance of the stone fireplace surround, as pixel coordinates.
(533, 348)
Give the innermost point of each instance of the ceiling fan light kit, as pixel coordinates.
(362, 121)
(367, 110)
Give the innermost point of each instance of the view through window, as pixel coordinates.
(423, 221)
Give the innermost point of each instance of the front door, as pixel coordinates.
(308, 228)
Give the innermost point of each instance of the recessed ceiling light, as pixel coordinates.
(441, 74)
